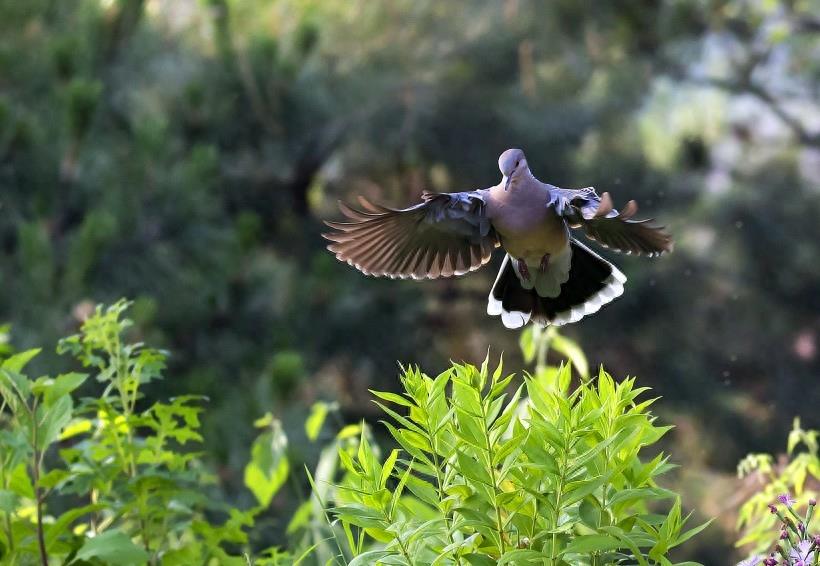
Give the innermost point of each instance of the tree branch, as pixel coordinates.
(804, 136)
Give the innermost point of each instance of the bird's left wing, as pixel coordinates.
(447, 234)
(599, 220)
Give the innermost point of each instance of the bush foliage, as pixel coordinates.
(484, 471)
(787, 492)
(488, 477)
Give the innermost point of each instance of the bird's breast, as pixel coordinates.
(528, 229)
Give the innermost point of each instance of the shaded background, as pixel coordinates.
(184, 153)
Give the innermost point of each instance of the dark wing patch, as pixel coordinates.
(448, 234)
(599, 220)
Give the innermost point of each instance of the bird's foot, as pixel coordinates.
(523, 269)
(545, 263)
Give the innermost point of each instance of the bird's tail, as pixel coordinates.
(592, 283)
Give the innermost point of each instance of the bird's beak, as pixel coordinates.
(507, 184)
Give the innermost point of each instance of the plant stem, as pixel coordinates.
(9, 535)
(543, 349)
(557, 514)
(404, 551)
(38, 492)
(491, 468)
(120, 361)
(40, 537)
(440, 482)
(6, 515)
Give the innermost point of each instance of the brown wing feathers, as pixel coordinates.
(619, 232)
(427, 241)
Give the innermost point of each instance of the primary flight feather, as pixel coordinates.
(547, 276)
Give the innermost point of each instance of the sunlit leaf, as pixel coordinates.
(316, 419)
(268, 467)
(113, 547)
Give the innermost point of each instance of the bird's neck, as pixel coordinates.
(521, 179)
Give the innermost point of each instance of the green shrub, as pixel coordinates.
(132, 490)
(485, 471)
(488, 476)
(771, 518)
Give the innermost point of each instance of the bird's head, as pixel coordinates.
(512, 162)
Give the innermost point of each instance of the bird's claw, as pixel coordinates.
(523, 270)
(545, 262)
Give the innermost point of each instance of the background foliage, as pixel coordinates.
(182, 153)
(482, 475)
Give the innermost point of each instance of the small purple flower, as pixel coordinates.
(786, 499)
(772, 509)
(802, 552)
(783, 534)
(816, 540)
(751, 561)
(812, 502)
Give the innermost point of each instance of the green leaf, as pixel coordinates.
(20, 482)
(527, 344)
(369, 557)
(75, 427)
(392, 397)
(691, 532)
(424, 490)
(112, 547)
(640, 494)
(51, 420)
(314, 422)
(522, 556)
(63, 385)
(479, 560)
(268, 468)
(349, 431)
(591, 543)
(301, 517)
(63, 523)
(14, 387)
(17, 362)
(577, 490)
(590, 512)
(264, 421)
(572, 351)
(8, 500)
(387, 468)
(472, 469)
(359, 515)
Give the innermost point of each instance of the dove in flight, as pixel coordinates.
(547, 276)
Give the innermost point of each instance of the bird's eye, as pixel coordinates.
(517, 162)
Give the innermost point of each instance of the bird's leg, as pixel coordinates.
(545, 263)
(523, 269)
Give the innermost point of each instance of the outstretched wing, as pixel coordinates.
(599, 220)
(447, 234)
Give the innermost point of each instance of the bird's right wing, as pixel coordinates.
(447, 234)
(599, 220)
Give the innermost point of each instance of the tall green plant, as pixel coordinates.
(131, 489)
(486, 475)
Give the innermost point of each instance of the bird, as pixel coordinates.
(547, 276)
